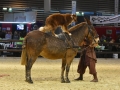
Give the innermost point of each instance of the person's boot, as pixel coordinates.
(95, 78)
(80, 77)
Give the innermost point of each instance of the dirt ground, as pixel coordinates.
(46, 75)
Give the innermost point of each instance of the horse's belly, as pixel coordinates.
(52, 55)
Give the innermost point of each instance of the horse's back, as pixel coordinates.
(35, 34)
(35, 40)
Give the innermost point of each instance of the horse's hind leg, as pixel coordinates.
(28, 71)
(62, 70)
(28, 67)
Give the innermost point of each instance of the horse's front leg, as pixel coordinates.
(69, 58)
(28, 71)
(66, 74)
(62, 70)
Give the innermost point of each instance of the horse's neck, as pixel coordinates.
(78, 38)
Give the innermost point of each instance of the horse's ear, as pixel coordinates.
(88, 21)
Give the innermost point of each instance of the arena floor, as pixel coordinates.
(46, 75)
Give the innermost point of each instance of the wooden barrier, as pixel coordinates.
(10, 49)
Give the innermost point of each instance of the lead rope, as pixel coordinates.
(87, 46)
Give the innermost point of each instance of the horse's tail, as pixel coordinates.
(24, 54)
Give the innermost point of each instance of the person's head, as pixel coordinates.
(9, 32)
(112, 41)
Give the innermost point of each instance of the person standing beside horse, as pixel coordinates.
(88, 59)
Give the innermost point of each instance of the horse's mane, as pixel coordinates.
(76, 26)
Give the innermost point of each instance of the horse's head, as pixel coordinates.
(91, 33)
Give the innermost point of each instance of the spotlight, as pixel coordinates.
(4, 9)
(10, 10)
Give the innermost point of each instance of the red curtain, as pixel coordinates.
(28, 27)
(7, 27)
(101, 30)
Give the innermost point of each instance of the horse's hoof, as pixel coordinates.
(29, 81)
(62, 81)
(67, 81)
(94, 80)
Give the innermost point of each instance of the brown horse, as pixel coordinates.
(40, 43)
